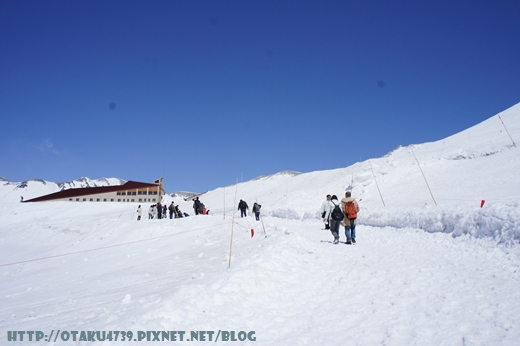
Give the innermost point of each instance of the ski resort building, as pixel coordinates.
(131, 191)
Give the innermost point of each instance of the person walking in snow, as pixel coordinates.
(150, 212)
(171, 208)
(139, 212)
(326, 206)
(178, 213)
(159, 210)
(256, 210)
(350, 208)
(196, 205)
(164, 211)
(242, 206)
(334, 217)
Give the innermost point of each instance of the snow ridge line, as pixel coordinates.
(105, 247)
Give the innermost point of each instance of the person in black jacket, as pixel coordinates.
(242, 206)
(196, 205)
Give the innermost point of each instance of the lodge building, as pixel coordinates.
(131, 191)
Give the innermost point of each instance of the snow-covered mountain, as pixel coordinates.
(86, 182)
(437, 260)
(437, 186)
(38, 187)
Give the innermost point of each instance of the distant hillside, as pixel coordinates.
(38, 187)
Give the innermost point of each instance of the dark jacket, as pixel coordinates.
(242, 205)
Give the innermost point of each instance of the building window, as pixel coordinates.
(119, 199)
(140, 199)
(111, 199)
(77, 199)
(70, 199)
(104, 199)
(97, 200)
(139, 192)
(133, 200)
(84, 199)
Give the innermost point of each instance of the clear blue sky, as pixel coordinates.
(207, 92)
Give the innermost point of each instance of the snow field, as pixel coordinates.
(420, 274)
(396, 286)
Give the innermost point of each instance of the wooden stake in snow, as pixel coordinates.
(507, 131)
(351, 186)
(431, 194)
(232, 226)
(376, 183)
(262, 220)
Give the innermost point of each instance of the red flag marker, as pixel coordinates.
(482, 203)
(252, 233)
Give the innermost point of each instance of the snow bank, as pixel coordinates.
(499, 221)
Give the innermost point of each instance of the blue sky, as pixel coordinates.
(204, 92)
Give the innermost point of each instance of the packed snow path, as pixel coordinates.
(293, 286)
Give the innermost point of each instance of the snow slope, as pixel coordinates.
(428, 269)
(436, 186)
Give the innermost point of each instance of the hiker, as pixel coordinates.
(256, 210)
(178, 213)
(196, 205)
(139, 212)
(164, 210)
(159, 210)
(334, 216)
(350, 207)
(202, 208)
(150, 212)
(171, 208)
(242, 206)
(326, 206)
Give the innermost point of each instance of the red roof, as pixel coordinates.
(85, 191)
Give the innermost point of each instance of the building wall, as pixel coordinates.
(140, 195)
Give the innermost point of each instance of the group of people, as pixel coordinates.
(334, 213)
(160, 211)
(199, 207)
(243, 207)
(341, 213)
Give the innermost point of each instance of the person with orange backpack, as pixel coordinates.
(350, 208)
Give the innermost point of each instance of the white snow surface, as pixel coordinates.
(430, 267)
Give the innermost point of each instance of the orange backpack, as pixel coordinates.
(350, 210)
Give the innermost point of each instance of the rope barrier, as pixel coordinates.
(104, 247)
(376, 183)
(514, 144)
